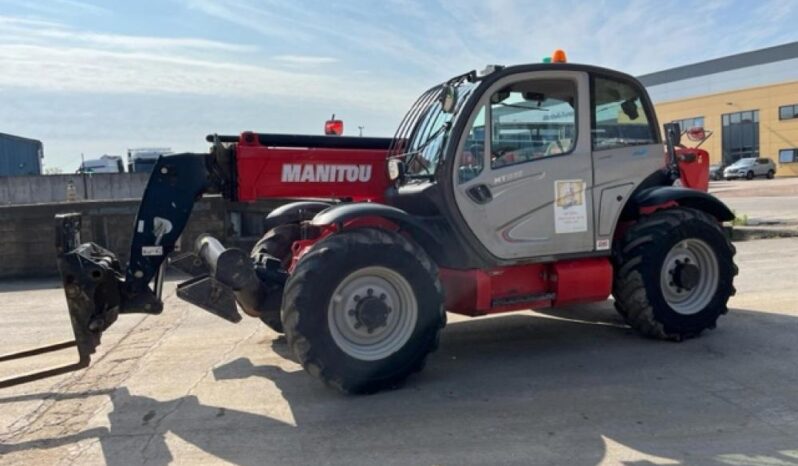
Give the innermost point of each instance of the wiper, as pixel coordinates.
(411, 156)
(524, 107)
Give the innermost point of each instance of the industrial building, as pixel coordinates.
(749, 101)
(20, 156)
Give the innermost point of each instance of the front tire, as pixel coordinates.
(276, 243)
(363, 309)
(673, 274)
(749, 175)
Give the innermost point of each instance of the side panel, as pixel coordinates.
(308, 172)
(475, 292)
(621, 158)
(612, 200)
(522, 218)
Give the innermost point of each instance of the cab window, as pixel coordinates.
(619, 116)
(472, 159)
(531, 120)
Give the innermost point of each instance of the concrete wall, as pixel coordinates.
(27, 233)
(23, 190)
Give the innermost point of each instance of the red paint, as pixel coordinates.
(302, 247)
(648, 210)
(261, 173)
(476, 292)
(334, 127)
(693, 167)
(581, 281)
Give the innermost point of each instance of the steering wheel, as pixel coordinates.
(501, 153)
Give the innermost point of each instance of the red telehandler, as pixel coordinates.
(518, 187)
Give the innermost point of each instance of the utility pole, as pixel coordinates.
(360, 128)
(83, 175)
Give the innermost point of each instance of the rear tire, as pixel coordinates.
(276, 243)
(771, 174)
(363, 309)
(658, 256)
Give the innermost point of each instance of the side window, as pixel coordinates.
(532, 120)
(619, 118)
(472, 160)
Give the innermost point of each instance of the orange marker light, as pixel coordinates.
(558, 56)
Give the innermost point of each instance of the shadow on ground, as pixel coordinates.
(524, 389)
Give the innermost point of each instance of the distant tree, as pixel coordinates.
(53, 171)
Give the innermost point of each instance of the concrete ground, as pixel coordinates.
(571, 386)
(762, 201)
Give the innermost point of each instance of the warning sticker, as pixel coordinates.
(151, 251)
(570, 209)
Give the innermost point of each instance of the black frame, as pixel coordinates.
(793, 112)
(489, 147)
(682, 120)
(728, 155)
(794, 155)
(648, 107)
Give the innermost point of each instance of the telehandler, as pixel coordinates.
(519, 187)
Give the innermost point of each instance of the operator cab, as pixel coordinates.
(529, 162)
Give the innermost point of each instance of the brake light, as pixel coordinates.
(333, 127)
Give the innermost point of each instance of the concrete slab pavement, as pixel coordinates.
(572, 386)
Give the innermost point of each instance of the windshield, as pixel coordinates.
(424, 130)
(744, 162)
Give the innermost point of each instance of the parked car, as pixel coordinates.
(749, 168)
(716, 171)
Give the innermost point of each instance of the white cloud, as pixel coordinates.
(55, 58)
(305, 59)
(58, 7)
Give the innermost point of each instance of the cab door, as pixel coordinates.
(523, 173)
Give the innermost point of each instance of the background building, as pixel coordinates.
(749, 101)
(20, 156)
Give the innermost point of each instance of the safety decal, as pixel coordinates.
(570, 208)
(151, 251)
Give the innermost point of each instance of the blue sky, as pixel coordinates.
(95, 77)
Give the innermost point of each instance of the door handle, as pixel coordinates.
(480, 194)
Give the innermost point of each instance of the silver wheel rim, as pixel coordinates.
(693, 299)
(358, 298)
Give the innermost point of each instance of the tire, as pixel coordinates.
(321, 331)
(276, 243)
(749, 175)
(771, 174)
(646, 293)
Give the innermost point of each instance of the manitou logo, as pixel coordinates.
(299, 173)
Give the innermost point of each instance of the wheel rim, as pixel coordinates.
(689, 276)
(372, 313)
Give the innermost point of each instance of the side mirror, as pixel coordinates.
(534, 96)
(673, 134)
(396, 169)
(696, 134)
(629, 107)
(448, 98)
(500, 96)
